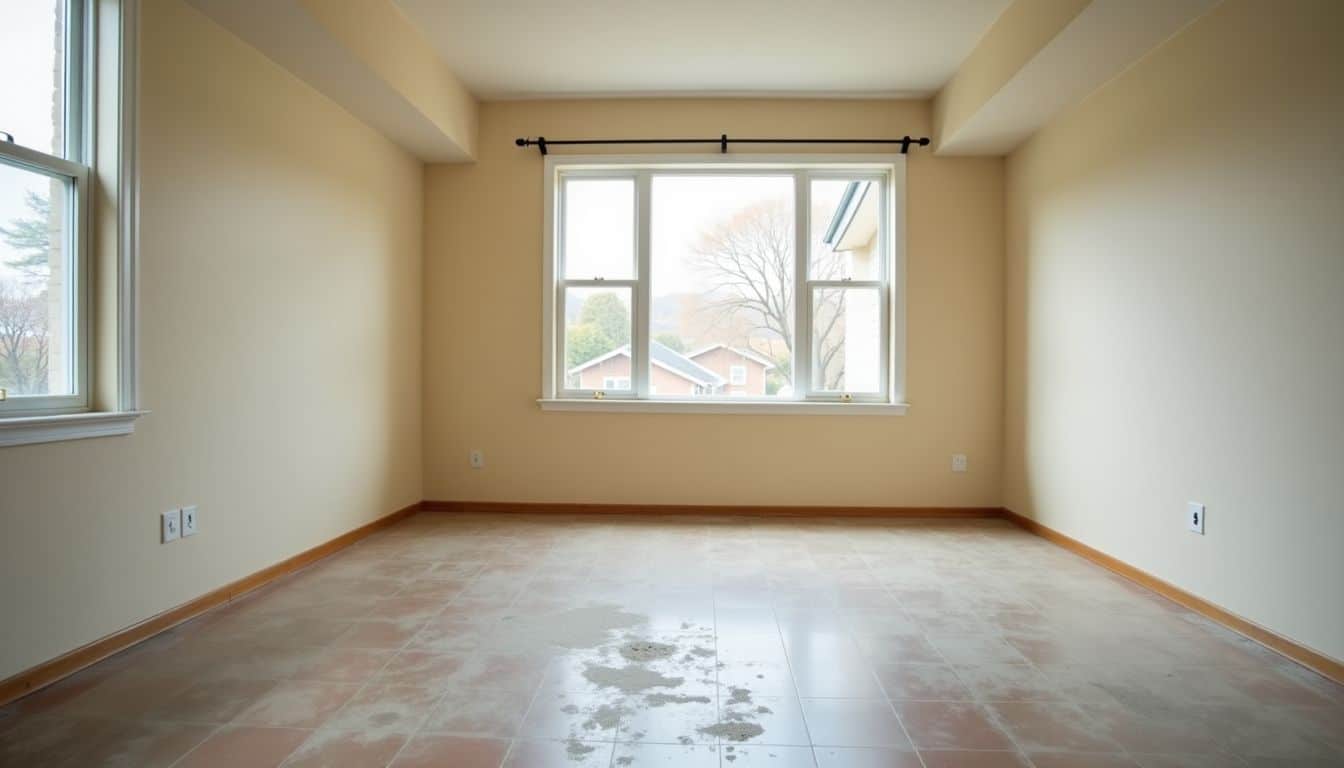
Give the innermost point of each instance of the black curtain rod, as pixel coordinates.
(542, 143)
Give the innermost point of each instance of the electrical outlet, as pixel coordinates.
(189, 526)
(172, 525)
(477, 458)
(959, 462)
(1194, 517)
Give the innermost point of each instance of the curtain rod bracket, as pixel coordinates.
(723, 144)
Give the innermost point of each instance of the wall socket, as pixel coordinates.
(959, 463)
(477, 458)
(1194, 517)
(189, 523)
(172, 525)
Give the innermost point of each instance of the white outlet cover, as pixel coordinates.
(477, 458)
(172, 525)
(190, 524)
(1194, 517)
(959, 463)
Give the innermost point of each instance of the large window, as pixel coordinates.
(44, 208)
(765, 281)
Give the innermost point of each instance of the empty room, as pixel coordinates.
(704, 384)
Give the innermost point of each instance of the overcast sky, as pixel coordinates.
(600, 216)
(27, 57)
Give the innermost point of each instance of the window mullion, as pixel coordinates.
(802, 297)
(643, 300)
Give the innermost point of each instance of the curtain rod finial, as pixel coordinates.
(520, 142)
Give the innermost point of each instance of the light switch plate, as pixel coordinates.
(172, 525)
(189, 522)
(1194, 517)
(959, 463)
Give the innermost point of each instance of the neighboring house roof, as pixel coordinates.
(664, 357)
(682, 365)
(855, 218)
(747, 353)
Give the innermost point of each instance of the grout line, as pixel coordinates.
(788, 661)
(924, 636)
(383, 668)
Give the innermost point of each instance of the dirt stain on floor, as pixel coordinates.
(646, 650)
(733, 731)
(582, 628)
(629, 679)
(663, 699)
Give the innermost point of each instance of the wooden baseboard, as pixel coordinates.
(532, 507)
(67, 664)
(1319, 662)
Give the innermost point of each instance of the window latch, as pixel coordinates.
(599, 394)
(846, 398)
(4, 394)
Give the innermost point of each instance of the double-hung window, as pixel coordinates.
(68, 82)
(724, 283)
(45, 140)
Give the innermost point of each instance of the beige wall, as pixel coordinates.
(280, 316)
(483, 265)
(1019, 34)
(1175, 297)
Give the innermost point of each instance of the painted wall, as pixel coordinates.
(1174, 316)
(280, 290)
(1019, 34)
(483, 263)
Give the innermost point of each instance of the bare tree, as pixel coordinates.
(749, 256)
(24, 340)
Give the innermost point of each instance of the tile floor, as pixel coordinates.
(529, 642)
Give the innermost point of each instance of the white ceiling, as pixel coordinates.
(548, 48)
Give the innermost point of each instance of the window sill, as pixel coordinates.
(724, 407)
(27, 430)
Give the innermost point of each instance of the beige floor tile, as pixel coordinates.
(560, 754)
(245, 746)
(468, 635)
(951, 725)
(297, 704)
(330, 748)
(854, 723)
(671, 755)
(952, 758)
(865, 757)
(440, 751)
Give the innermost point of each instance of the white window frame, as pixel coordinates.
(102, 78)
(888, 170)
(734, 379)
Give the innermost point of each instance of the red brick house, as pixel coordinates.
(714, 370)
(742, 369)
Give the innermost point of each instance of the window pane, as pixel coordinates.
(845, 228)
(599, 229)
(846, 340)
(32, 86)
(722, 256)
(35, 327)
(597, 338)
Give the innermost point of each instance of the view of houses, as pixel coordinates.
(728, 331)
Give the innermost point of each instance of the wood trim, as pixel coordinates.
(67, 664)
(1319, 662)
(534, 507)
